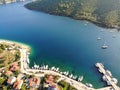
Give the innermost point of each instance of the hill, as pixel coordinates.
(105, 13)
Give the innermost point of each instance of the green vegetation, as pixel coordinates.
(2, 80)
(8, 55)
(65, 86)
(102, 12)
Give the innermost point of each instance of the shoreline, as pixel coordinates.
(16, 42)
(99, 24)
(41, 73)
(24, 59)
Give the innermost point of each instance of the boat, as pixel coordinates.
(108, 83)
(46, 67)
(67, 73)
(104, 46)
(89, 85)
(57, 69)
(35, 66)
(85, 24)
(80, 78)
(99, 38)
(99, 64)
(28, 60)
(114, 80)
(99, 70)
(71, 76)
(104, 78)
(74, 77)
(53, 68)
(108, 73)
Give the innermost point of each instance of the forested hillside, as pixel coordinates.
(102, 12)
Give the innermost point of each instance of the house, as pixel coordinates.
(11, 80)
(8, 73)
(14, 67)
(34, 82)
(18, 84)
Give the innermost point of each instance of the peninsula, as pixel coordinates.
(16, 74)
(105, 13)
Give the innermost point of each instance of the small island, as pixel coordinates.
(99, 12)
(16, 74)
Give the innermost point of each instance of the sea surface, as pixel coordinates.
(62, 42)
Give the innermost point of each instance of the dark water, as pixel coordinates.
(61, 41)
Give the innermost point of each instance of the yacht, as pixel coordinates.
(104, 78)
(108, 73)
(85, 24)
(89, 85)
(114, 80)
(99, 38)
(104, 46)
(80, 78)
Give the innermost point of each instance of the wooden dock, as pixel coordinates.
(108, 78)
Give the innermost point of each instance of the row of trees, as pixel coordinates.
(106, 12)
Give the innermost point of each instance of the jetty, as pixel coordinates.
(107, 76)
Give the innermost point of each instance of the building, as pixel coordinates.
(34, 82)
(18, 84)
(14, 67)
(11, 80)
(8, 73)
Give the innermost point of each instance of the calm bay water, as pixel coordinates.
(63, 42)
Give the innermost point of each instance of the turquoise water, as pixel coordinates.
(61, 41)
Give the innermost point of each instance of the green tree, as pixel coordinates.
(2, 80)
(5, 88)
(111, 18)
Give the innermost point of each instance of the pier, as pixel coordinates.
(107, 76)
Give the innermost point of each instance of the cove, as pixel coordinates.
(63, 42)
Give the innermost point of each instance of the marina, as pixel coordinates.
(73, 80)
(107, 76)
(68, 78)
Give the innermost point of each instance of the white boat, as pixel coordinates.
(114, 80)
(99, 38)
(89, 85)
(57, 69)
(28, 60)
(67, 73)
(104, 78)
(71, 76)
(46, 67)
(80, 78)
(108, 83)
(85, 24)
(108, 73)
(35, 66)
(74, 77)
(104, 46)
